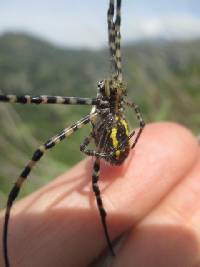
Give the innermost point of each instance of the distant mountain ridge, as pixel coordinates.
(162, 77)
(37, 60)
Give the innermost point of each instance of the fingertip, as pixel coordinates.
(163, 154)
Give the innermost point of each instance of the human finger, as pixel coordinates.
(170, 235)
(59, 224)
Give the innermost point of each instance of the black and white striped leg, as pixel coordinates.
(139, 118)
(102, 212)
(35, 158)
(114, 35)
(118, 16)
(46, 99)
(111, 28)
(118, 40)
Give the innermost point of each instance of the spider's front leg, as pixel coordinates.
(111, 28)
(114, 37)
(140, 120)
(35, 158)
(47, 99)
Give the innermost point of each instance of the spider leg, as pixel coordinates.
(118, 40)
(102, 142)
(139, 118)
(102, 212)
(91, 152)
(114, 36)
(35, 158)
(111, 34)
(46, 99)
(118, 16)
(111, 31)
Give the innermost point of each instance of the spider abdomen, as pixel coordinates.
(119, 141)
(114, 136)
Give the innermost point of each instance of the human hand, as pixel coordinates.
(154, 196)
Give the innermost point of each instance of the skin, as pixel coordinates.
(153, 197)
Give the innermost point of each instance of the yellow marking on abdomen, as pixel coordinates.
(115, 142)
(113, 136)
(117, 153)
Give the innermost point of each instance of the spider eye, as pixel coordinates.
(101, 84)
(102, 87)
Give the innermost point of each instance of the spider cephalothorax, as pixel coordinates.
(112, 88)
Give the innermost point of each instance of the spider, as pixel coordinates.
(110, 132)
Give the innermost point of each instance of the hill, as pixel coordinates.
(163, 78)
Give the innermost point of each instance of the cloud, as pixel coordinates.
(168, 27)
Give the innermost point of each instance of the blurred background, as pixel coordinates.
(60, 48)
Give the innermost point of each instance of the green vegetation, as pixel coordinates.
(163, 78)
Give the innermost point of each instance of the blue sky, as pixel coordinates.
(83, 22)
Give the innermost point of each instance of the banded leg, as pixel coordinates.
(102, 212)
(118, 16)
(111, 32)
(35, 158)
(114, 36)
(42, 99)
(118, 40)
(139, 118)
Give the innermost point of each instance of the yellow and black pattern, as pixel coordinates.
(110, 132)
(118, 133)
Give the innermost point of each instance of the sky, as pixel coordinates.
(82, 23)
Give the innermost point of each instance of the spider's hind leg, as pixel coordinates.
(102, 212)
(95, 187)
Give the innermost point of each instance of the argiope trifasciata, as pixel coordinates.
(110, 132)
